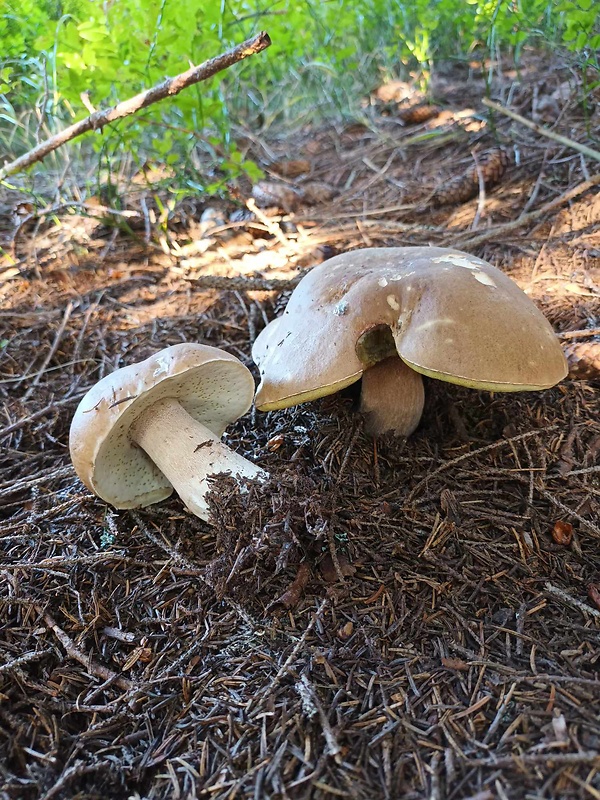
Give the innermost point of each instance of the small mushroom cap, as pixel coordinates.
(213, 386)
(452, 316)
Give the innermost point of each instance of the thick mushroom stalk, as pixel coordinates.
(187, 452)
(391, 398)
(152, 427)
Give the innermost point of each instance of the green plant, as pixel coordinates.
(58, 56)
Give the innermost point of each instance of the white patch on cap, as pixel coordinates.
(462, 261)
(163, 366)
(433, 322)
(484, 278)
(456, 259)
(393, 303)
(382, 282)
(341, 308)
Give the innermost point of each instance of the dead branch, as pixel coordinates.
(581, 334)
(24, 659)
(246, 283)
(167, 88)
(556, 137)
(97, 670)
(525, 219)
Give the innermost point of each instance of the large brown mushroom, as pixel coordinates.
(390, 315)
(152, 427)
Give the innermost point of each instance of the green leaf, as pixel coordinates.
(92, 31)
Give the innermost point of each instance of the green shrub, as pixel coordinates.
(324, 54)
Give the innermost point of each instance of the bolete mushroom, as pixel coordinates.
(152, 427)
(390, 315)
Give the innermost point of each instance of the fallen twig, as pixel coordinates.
(246, 283)
(33, 382)
(24, 659)
(589, 757)
(471, 454)
(15, 426)
(257, 701)
(580, 334)
(571, 601)
(75, 771)
(273, 229)
(581, 148)
(525, 219)
(167, 88)
(97, 670)
(13, 486)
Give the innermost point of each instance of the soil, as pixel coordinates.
(384, 618)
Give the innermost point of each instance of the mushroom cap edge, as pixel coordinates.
(104, 457)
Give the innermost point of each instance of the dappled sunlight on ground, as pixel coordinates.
(381, 613)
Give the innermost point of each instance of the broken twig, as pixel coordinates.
(556, 137)
(167, 88)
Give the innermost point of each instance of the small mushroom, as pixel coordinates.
(390, 315)
(152, 427)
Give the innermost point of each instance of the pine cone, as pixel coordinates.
(463, 187)
(315, 192)
(290, 169)
(584, 359)
(418, 114)
(269, 194)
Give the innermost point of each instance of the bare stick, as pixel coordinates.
(582, 334)
(167, 88)
(97, 670)
(571, 601)
(587, 757)
(61, 329)
(581, 148)
(16, 662)
(246, 283)
(75, 771)
(15, 426)
(273, 229)
(525, 219)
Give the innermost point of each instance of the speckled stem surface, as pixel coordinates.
(187, 452)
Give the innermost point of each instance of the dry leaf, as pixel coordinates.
(346, 631)
(455, 663)
(594, 594)
(293, 594)
(314, 192)
(269, 194)
(143, 654)
(328, 570)
(275, 442)
(562, 533)
(290, 169)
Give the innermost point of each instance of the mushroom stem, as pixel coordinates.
(392, 398)
(187, 452)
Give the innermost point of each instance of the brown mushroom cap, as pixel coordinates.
(214, 387)
(452, 317)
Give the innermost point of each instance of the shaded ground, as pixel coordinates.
(454, 649)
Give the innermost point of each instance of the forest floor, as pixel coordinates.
(453, 651)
